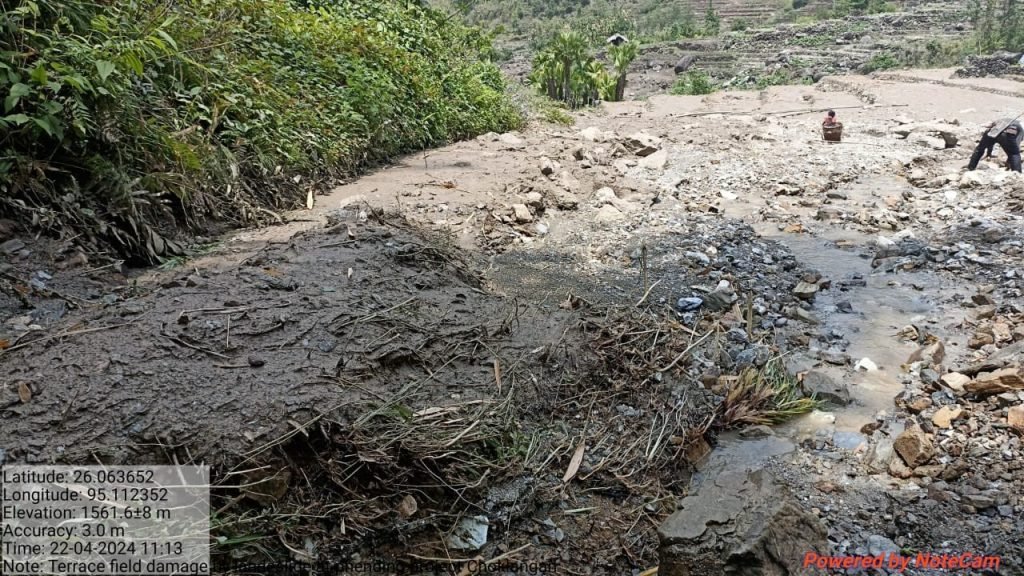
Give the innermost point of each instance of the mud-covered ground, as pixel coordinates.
(544, 339)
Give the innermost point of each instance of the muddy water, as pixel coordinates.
(881, 304)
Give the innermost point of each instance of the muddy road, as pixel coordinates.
(570, 339)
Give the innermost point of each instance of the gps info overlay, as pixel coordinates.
(104, 520)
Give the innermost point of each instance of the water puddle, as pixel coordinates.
(735, 456)
(866, 309)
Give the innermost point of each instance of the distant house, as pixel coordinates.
(616, 39)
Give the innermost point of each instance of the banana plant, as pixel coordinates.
(622, 56)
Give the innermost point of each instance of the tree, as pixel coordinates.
(564, 70)
(712, 24)
(996, 24)
(622, 56)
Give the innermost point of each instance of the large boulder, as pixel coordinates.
(685, 63)
(741, 523)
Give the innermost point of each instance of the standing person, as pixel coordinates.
(1008, 133)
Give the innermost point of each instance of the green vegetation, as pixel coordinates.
(997, 24)
(739, 25)
(766, 396)
(125, 120)
(565, 71)
(836, 9)
(540, 21)
(882, 61)
(693, 83)
(712, 24)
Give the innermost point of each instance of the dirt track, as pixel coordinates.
(382, 359)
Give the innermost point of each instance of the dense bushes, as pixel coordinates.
(124, 119)
(693, 83)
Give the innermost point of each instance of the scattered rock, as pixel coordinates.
(721, 298)
(914, 446)
(684, 64)
(511, 140)
(408, 506)
(522, 213)
(880, 545)
(592, 134)
(1002, 380)
(945, 416)
(802, 315)
(881, 454)
(823, 387)
(548, 167)
(608, 213)
(12, 246)
(642, 144)
(1015, 417)
(655, 161)
(955, 381)
(866, 365)
(689, 304)
(805, 290)
(469, 534)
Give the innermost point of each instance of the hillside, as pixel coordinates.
(934, 33)
(651, 20)
(126, 122)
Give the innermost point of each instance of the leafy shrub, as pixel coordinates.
(739, 25)
(883, 61)
(712, 23)
(694, 83)
(125, 120)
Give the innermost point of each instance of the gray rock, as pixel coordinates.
(881, 454)
(684, 64)
(655, 161)
(522, 213)
(12, 246)
(736, 522)
(823, 387)
(698, 257)
(805, 290)
(979, 501)
(878, 544)
(689, 304)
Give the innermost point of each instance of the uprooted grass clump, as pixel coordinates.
(123, 121)
(762, 396)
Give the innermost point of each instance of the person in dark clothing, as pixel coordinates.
(1006, 132)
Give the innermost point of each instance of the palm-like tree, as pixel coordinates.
(570, 50)
(622, 56)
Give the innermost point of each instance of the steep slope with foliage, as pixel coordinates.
(649, 20)
(125, 120)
